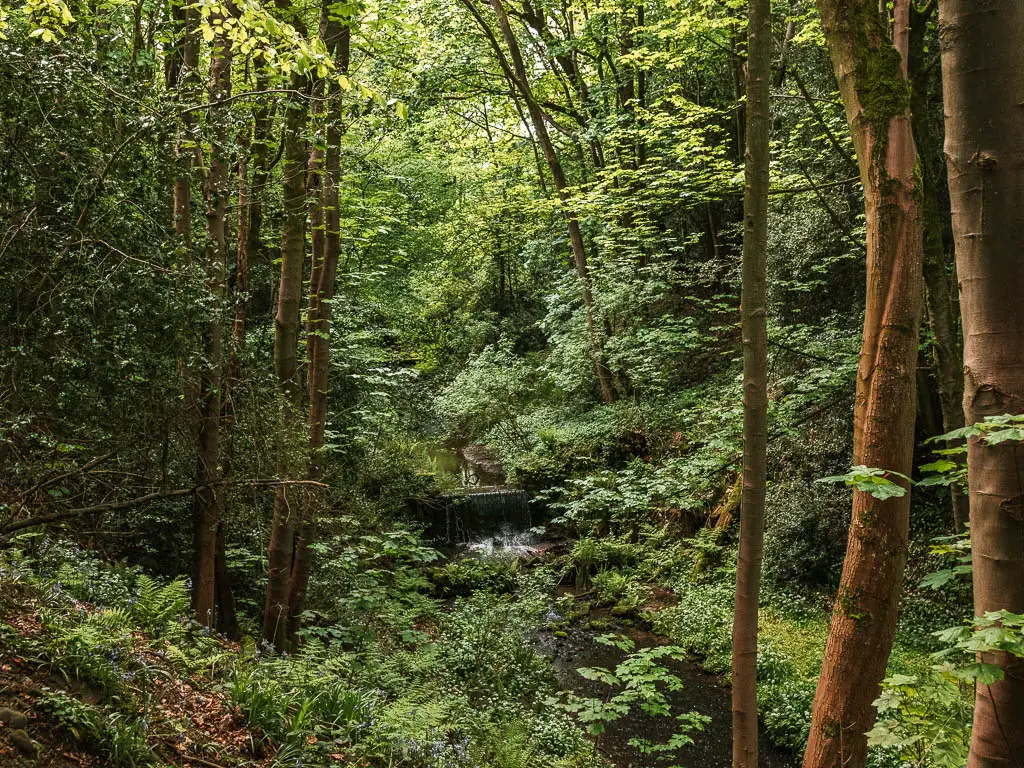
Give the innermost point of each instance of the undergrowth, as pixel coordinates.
(116, 669)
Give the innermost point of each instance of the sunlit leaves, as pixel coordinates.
(50, 19)
(871, 480)
(993, 430)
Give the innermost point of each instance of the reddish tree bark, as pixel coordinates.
(754, 311)
(318, 345)
(871, 68)
(983, 87)
(288, 499)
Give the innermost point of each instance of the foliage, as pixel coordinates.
(871, 480)
(642, 680)
(462, 577)
(805, 534)
(925, 718)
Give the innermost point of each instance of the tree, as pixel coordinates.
(181, 76)
(288, 500)
(939, 279)
(871, 67)
(209, 500)
(337, 36)
(518, 78)
(983, 89)
(754, 310)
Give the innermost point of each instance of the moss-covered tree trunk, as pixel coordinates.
(871, 66)
(983, 88)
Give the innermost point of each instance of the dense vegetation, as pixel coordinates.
(264, 267)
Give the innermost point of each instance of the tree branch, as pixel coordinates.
(113, 506)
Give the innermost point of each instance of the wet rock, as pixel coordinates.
(13, 719)
(24, 744)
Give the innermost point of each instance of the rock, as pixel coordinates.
(13, 719)
(24, 744)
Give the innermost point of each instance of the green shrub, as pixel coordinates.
(463, 577)
(805, 533)
(119, 737)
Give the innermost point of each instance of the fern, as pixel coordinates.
(157, 604)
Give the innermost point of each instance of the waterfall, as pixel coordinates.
(487, 517)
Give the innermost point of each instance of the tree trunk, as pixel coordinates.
(263, 118)
(753, 312)
(947, 351)
(181, 78)
(227, 617)
(519, 79)
(227, 614)
(983, 88)
(209, 498)
(872, 72)
(288, 499)
(319, 340)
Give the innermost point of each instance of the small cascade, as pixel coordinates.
(507, 505)
(488, 518)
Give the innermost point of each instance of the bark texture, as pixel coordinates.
(983, 89)
(753, 309)
(318, 345)
(288, 499)
(871, 68)
(209, 499)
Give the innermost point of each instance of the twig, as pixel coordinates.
(813, 187)
(57, 517)
(57, 478)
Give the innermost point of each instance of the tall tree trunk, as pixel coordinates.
(519, 79)
(227, 616)
(260, 153)
(872, 72)
(754, 311)
(983, 88)
(318, 345)
(288, 499)
(182, 79)
(209, 498)
(947, 351)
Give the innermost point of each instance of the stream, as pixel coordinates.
(490, 519)
(702, 692)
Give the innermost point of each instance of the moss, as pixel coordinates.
(881, 88)
(849, 604)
